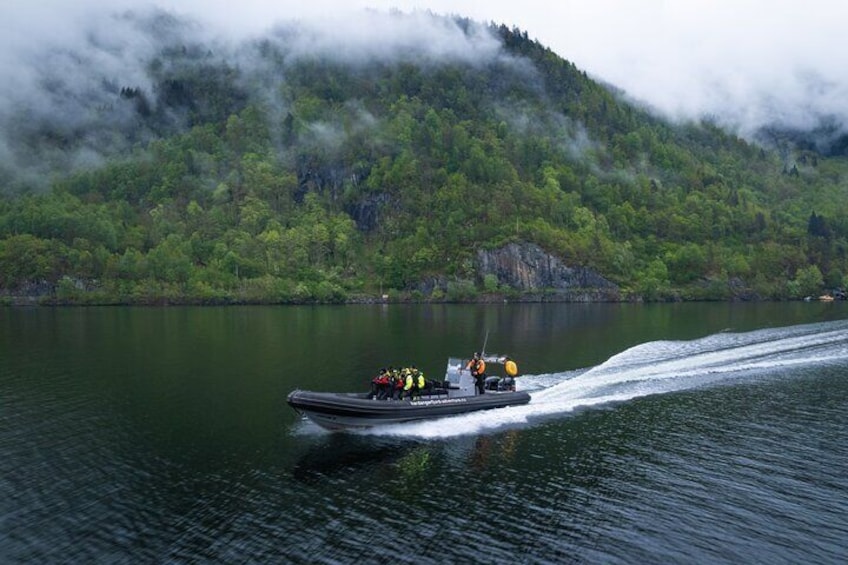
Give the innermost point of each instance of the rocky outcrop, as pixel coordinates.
(329, 177)
(367, 212)
(527, 267)
(537, 276)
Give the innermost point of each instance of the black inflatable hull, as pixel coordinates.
(337, 411)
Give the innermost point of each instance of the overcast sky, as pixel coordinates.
(747, 62)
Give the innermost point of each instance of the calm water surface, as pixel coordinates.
(694, 433)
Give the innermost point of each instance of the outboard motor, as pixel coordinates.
(492, 383)
(506, 384)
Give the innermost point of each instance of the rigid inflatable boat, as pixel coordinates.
(457, 394)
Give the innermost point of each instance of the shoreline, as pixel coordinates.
(11, 301)
(50, 295)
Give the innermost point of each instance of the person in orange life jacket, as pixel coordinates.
(478, 370)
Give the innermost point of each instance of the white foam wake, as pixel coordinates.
(652, 368)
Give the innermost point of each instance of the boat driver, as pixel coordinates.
(478, 370)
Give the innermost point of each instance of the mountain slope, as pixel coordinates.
(308, 165)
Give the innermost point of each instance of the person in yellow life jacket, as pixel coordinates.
(418, 376)
(414, 382)
(508, 382)
(409, 387)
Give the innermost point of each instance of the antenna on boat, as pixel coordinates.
(485, 341)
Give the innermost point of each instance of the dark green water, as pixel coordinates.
(656, 433)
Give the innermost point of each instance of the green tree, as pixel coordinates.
(28, 259)
(808, 281)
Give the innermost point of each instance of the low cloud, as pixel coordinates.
(371, 36)
(64, 99)
(746, 64)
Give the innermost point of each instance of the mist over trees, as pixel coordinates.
(159, 165)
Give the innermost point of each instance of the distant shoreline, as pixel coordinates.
(552, 298)
(46, 294)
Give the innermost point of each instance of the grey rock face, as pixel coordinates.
(527, 267)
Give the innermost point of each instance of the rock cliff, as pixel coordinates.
(526, 267)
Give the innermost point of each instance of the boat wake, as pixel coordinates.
(652, 368)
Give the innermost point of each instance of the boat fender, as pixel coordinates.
(511, 368)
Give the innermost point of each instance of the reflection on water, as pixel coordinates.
(335, 454)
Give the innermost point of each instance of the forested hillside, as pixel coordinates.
(267, 172)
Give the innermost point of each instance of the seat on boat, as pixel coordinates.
(434, 391)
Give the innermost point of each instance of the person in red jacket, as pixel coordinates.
(375, 384)
(384, 389)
